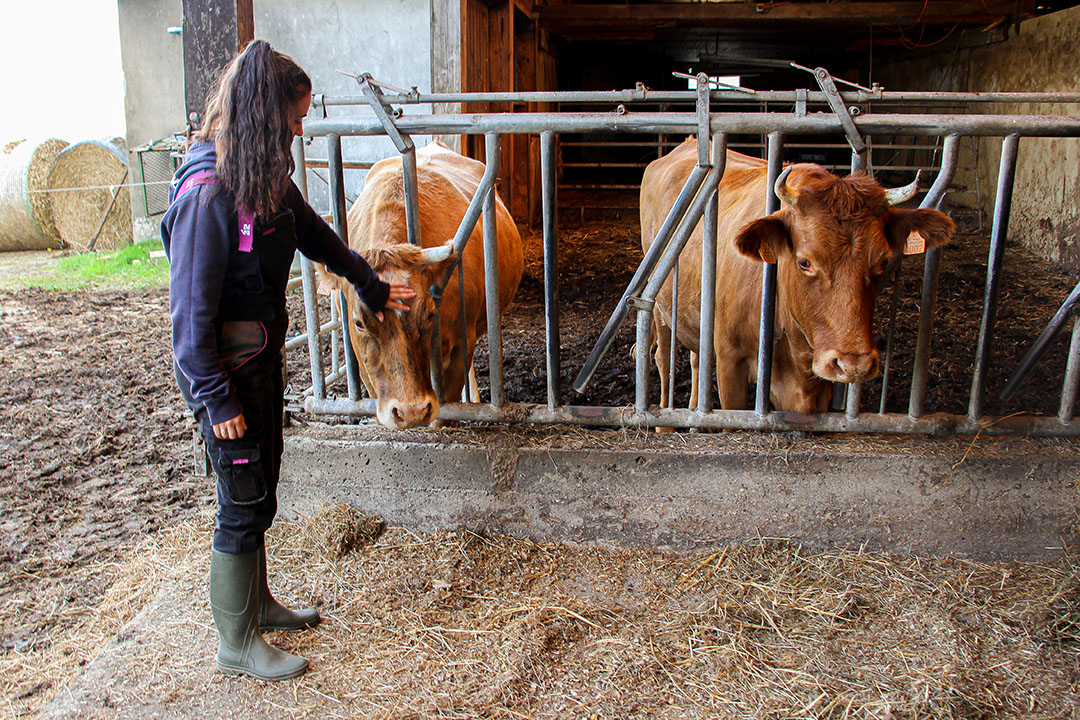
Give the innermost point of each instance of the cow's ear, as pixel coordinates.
(925, 228)
(326, 281)
(762, 239)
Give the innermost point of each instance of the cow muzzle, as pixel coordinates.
(837, 366)
(401, 414)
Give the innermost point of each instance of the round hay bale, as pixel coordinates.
(91, 204)
(25, 213)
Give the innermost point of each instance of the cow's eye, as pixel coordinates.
(803, 264)
(359, 324)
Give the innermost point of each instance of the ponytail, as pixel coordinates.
(247, 117)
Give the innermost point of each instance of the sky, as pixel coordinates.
(63, 76)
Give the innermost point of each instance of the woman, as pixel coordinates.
(234, 223)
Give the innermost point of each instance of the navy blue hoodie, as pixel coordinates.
(211, 280)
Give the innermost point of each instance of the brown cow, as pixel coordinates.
(394, 354)
(832, 240)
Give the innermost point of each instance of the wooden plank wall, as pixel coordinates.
(494, 46)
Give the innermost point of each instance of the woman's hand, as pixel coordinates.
(231, 429)
(398, 291)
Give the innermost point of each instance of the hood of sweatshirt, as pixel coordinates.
(201, 157)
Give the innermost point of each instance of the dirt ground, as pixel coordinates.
(95, 450)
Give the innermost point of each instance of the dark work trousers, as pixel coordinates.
(247, 469)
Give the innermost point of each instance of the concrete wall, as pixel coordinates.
(391, 40)
(1044, 57)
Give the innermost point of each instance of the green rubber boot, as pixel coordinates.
(234, 600)
(275, 616)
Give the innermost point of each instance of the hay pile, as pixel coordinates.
(26, 221)
(90, 203)
(464, 625)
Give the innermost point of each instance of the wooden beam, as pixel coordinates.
(966, 12)
(214, 32)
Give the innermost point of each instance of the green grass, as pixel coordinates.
(130, 267)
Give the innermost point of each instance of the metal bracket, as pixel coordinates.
(640, 303)
(383, 112)
(828, 86)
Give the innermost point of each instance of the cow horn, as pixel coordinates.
(895, 196)
(783, 191)
(432, 255)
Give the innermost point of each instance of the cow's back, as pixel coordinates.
(741, 199)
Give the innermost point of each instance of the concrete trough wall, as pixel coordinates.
(992, 500)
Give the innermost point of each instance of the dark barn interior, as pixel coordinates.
(522, 45)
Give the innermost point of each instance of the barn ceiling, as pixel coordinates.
(725, 37)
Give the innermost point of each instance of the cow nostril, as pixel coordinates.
(398, 417)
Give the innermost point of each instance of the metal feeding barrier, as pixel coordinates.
(697, 199)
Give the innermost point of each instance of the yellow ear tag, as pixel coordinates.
(915, 243)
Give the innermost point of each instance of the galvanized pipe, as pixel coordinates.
(647, 300)
(337, 208)
(307, 282)
(935, 197)
(412, 196)
(768, 285)
(931, 425)
(678, 123)
(551, 268)
(708, 286)
(642, 339)
(689, 96)
(641, 276)
(461, 239)
(673, 333)
(491, 279)
(1072, 377)
(1000, 228)
(304, 338)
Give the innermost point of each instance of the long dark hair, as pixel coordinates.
(247, 117)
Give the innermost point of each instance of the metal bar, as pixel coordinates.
(412, 196)
(551, 269)
(348, 165)
(708, 286)
(1002, 206)
(839, 108)
(302, 338)
(642, 339)
(491, 279)
(703, 133)
(690, 96)
(307, 283)
(932, 425)
(768, 285)
(1057, 322)
(337, 208)
(1072, 378)
(935, 197)
(672, 123)
(641, 276)
(311, 318)
(673, 333)
(645, 303)
(464, 327)
(854, 394)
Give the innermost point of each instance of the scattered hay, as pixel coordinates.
(466, 625)
(337, 530)
(90, 203)
(26, 221)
